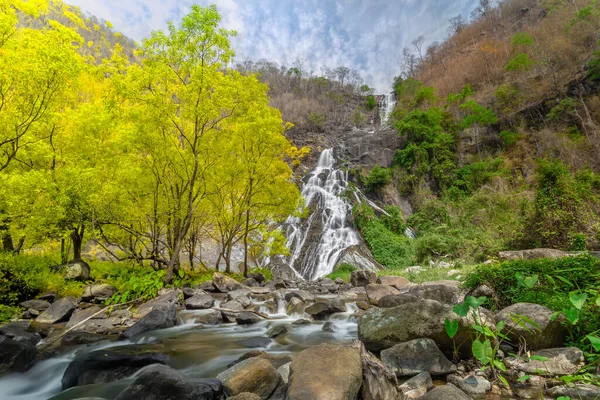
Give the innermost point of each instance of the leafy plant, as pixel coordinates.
(521, 62)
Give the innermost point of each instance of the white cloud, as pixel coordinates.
(366, 35)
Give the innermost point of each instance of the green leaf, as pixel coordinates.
(577, 299)
(500, 365)
(181, 273)
(538, 358)
(525, 322)
(451, 328)
(504, 381)
(531, 281)
(568, 282)
(598, 301)
(563, 398)
(475, 303)
(595, 341)
(482, 350)
(524, 378)
(461, 309)
(572, 315)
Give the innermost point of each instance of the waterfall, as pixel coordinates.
(386, 106)
(317, 242)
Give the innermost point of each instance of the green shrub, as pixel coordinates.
(8, 312)
(509, 138)
(508, 97)
(434, 245)
(394, 221)
(377, 178)
(472, 176)
(370, 103)
(343, 271)
(521, 62)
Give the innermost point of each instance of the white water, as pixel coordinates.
(386, 107)
(315, 251)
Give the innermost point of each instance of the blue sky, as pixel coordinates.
(366, 35)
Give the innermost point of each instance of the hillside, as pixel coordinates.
(502, 139)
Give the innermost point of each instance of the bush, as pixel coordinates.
(521, 62)
(509, 138)
(8, 312)
(370, 103)
(377, 178)
(343, 271)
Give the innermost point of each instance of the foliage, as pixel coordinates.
(472, 176)
(8, 312)
(370, 103)
(509, 138)
(521, 62)
(566, 107)
(394, 220)
(318, 120)
(594, 66)
(508, 97)
(476, 114)
(377, 178)
(343, 271)
(521, 38)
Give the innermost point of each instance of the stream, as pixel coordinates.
(197, 350)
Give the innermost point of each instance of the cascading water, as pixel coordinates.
(386, 106)
(317, 242)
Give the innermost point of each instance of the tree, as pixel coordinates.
(457, 24)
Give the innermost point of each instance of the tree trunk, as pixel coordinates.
(77, 240)
(246, 244)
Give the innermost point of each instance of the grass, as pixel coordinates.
(343, 271)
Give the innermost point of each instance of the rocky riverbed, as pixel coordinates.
(375, 338)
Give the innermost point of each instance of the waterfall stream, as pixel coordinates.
(317, 242)
(386, 107)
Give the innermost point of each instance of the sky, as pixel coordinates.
(365, 35)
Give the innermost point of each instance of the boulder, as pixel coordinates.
(109, 365)
(381, 328)
(15, 356)
(472, 385)
(159, 382)
(303, 295)
(379, 382)
(301, 321)
(448, 392)
(232, 305)
(284, 372)
(77, 270)
(328, 285)
(416, 356)
(417, 386)
(447, 292)
(37, 305)
(323, 309)
(20, 331)
(80, 315)
(200, 301)
(551, 334)
(295, 306)
(250, 282)
(254, 342)
(326, 371)
(49, 297)
(247, 318)
(242, 296)
(245, 396)
(225, 284)
(76, 338)
(170, 297)
(396, 300)
(106, 326)
(376, 292)
(158, 318)
(531, 254)
(98, 292)
(58, 311)
(254, 375)
(396, 281)
(208, 317)
(258, 277)
(560, 361)
(328, 327)
(577, 391)
(362, 278)
(277, 330)
(276, 360)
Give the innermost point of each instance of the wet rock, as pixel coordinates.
(531, 254)
(254, 342)
(323, 309)
(59, 311)
(170, 297)
(191, 292)
(254, 375)
(232, 305)
(362, 278)
(277, 330)
(396, 281)
(158, 318)
(448, 392)
(37, 305)
(417, 386)
(379, 381)
(301, 322)
(472, 385)
(75, 338)
(376, 292)
(329, 285)
(326, 371)
(552, 334)
(284, 371)
(381, 328)
(328, 327)
(276, 360)
(258, 277)
(199, 301)
(15, 356)
(207, 287)
(49, 297)
(339, 281)
(363, 305)
(160, 382)
(295, 306)
(396, 300)
(98, 292)
(208, 317)
(20, 331)
(250, 282)
(416, 356)
(108, 365)
(225, 284)
(303, 295)
(247, 318)
(77, 270)
(560, 361)
(578, 391)
(79, 316)
(106, 326)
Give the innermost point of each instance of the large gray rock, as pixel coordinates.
(376, 292)
(379, 381)
(416, 356)
(98, 292)
(15, 356)
(76, 338)
(326, 371)
(170, 297)
(77, 270)
(37, 305)
(396, 281)
(200, 301)
(247, 318)
(560, 361)
(80, 315)
(242, 296)
(381, 328)
(447, 292)
(362, 278)
(472, 385)
(245, 396)
(303, 295)
(58, 311)
(276, 360)
(159, 318)
(448, 392)
(550, 335)
(578, 391)
(20, 331)
(254, 375)
(108, 365)
(417, 386)
(159, 382)
(225, 284)
(323, 309)
(396, 300)
(531, 254)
